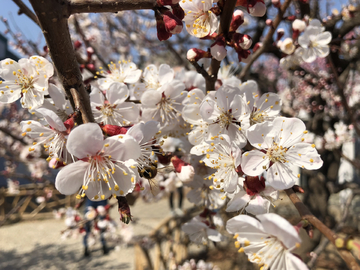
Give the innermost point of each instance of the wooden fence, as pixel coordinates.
(22, 204)
(167, 244)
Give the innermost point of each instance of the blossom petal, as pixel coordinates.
(258, 205)
(247, 227)
(304, 155)
(70, 178)
(150, 98)
(239, 201)
(281, 228)
(122, 148)
(117, 93)
(280, 176)
(52, 118)
(254, 163)
(85, 140)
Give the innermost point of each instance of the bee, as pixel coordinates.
(150, 171)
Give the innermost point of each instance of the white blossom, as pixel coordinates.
(199, 20)
(314, 42)
(279, 145)
(267, 241)
(105, 167)
(26, 79)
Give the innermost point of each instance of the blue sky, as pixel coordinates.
(9, 10)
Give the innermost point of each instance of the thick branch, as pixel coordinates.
(225, 20)
(329, 234)
(90, 6)
(267, 40)
(53, 21)
(23, 9)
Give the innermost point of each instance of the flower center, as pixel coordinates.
(107, 110)
(277, 153)
(225, 119)
(257, 116)
(116, 73)
(24, 81)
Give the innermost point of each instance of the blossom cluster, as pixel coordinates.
(242, 151)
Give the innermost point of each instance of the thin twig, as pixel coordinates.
(324, 242)
(328, 233)
(225, 20)
(267, 40)
(23, 9)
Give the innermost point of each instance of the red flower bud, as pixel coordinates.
(257, 46)
(124, 210)
(196, 54)
(162, 34)
(254, 185)
(172, 23)
(237, 20)
(178, 11)
(167, 2)
(77, 44)
(112, 130)
(178, 163)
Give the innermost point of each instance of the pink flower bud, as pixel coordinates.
(237, 20)
(195, 54)
(258, 10)
(90, 66)
(268, 22)
(172, 23)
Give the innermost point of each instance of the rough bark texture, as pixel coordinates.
(91, 6)
(52, 16)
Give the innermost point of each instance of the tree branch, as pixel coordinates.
(7, 132)
(267, 40)
(339, 226)
(23, 9)
(53, 21)
(90, 6)
(225, 20)
(329, 234)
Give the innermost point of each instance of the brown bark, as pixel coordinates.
(328, 233)
(91, 6)
(52, 16)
